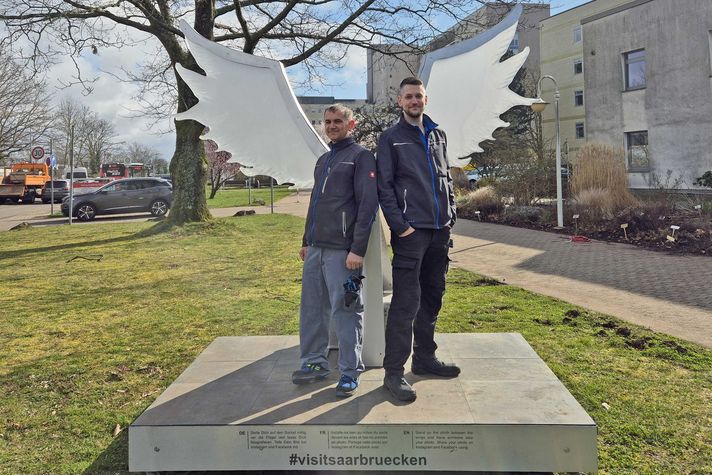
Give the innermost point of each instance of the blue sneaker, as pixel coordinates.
(347, 386)
(309, 373)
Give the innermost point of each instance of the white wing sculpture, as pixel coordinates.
(468, 87)
(251, 111)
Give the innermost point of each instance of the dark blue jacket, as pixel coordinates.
(414, 181)
(344, 199)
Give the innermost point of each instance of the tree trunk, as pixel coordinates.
(213, 191)
(189, 170)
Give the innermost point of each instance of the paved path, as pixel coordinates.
(666, 293)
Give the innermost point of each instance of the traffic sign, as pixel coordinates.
(37, 153)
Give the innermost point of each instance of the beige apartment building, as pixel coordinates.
(561, 56)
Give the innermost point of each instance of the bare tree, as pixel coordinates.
(70, 132)
(100, 142)
(314, 33)
(135, 152)
(25, 114)
(371, 120)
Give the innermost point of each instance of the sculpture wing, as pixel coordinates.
(251, 111)
(468, 87)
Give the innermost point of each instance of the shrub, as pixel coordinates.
(705, 180)
(528, 180)
(519, 214)
(485, 200)
(601, 167)
(597, 200)
(459, 180)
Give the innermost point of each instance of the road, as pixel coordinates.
(12, 214)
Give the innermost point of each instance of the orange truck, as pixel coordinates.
(24, 182)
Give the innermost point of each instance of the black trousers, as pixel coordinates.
(420, 262)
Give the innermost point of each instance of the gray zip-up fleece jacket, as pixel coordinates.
(344, 199)
(414, 181)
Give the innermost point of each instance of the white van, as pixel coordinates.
(78, 172)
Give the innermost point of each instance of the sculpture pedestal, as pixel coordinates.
(235, 408)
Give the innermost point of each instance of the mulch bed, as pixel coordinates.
(693, 237)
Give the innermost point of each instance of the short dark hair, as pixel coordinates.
(410, 81)
(338, 108)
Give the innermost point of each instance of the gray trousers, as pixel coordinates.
(323, 281)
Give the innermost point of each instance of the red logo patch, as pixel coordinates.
(372, 174)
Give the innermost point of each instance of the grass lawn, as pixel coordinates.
(87, 345)
(227, 198)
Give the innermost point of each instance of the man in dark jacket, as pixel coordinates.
(342, 208)
(416, 195)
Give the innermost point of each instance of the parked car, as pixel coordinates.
(473, 176)
(61, 189)
(129, 195)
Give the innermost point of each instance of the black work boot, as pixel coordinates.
(399, 387)
(433, 365)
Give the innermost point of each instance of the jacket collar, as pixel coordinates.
(342, 144)
(428, 123)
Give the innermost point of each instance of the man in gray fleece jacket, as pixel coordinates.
(342, 208)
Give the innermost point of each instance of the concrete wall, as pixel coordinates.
(387, 70)
(675, 107)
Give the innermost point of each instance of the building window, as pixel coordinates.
(634, 62)
(580, 132)
(578, 98)
(578, 66)
(637, 146)
(577, 34)
(514, 45)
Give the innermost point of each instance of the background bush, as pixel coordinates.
(484, 199)
(600, 181)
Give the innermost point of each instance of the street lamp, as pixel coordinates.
(539, 106)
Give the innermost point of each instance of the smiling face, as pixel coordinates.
(336, 126)
(412, 99)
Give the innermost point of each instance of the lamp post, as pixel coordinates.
(539, 106)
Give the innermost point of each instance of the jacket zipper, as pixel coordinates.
(405, 202)
(343, 222)
(424, 138)
(328, 170)
(325, 176)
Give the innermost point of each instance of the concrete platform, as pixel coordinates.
(235, 408)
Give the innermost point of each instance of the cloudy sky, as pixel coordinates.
(113, 100)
